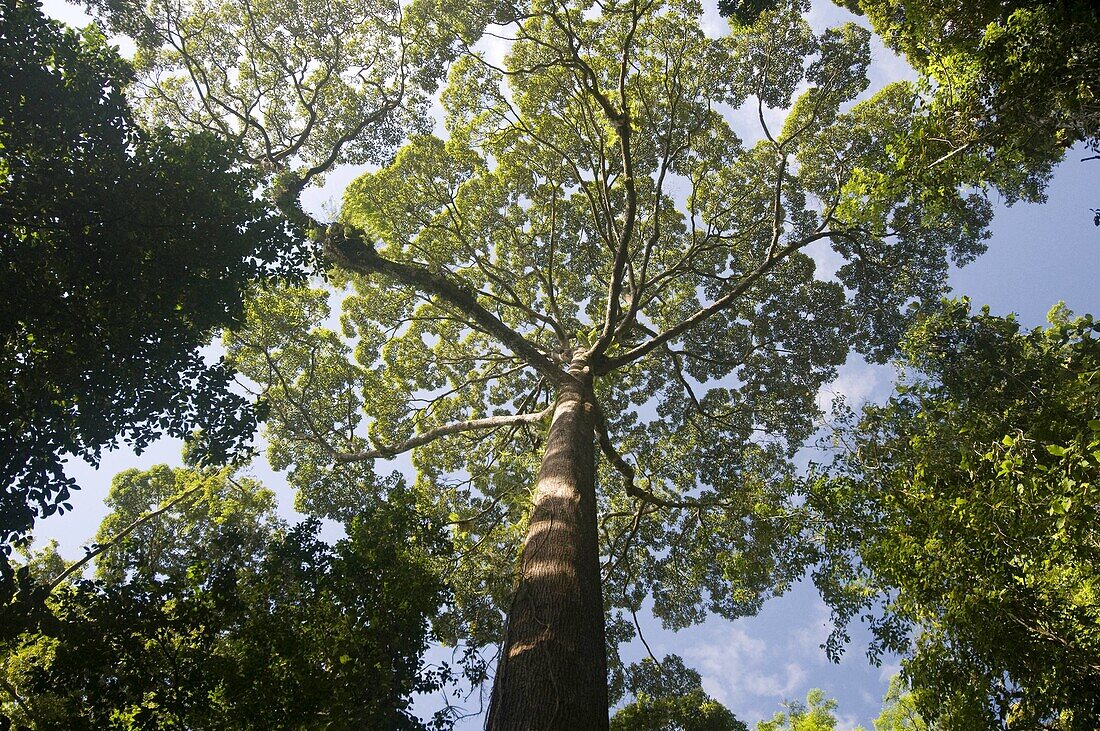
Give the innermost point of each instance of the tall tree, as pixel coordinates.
(595, 288)
(968, 505)
(123, 252)
(216, 615)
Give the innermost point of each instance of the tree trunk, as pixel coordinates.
(553, 668)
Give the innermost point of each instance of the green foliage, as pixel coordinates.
(816, 714)
(1011, 84)
(745, 12)
(899, 710)
(165, 548)
(968, 503)
(124, 250)
(670, 697)
(300, 86)
(217, 616)
(288, 332)
(279, 77)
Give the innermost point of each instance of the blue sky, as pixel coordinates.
(1038, 255)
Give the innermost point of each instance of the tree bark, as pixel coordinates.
(553, 668)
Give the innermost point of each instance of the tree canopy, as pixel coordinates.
(816, 714)
(217, 615)
(124, 251)
(968, 505)
(1011, 84)
(670, 697)
(299, 88)
(592, 221)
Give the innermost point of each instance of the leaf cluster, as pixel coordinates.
(219, 616)
(124, 251)
(968, 505)
(1011, 85)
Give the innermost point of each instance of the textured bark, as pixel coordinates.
(553, 668)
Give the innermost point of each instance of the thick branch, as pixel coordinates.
(609, 364)
(620, 121)
(349, 250)
(777, 207)
(627, 470)
(455, 427)
(16, 697)
(622, 253)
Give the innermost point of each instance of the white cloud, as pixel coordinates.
(783, 685)
(858, 382)
(826, 260)
(495, 44)
(739, 671)
(712, 23)
(888, 671)
(847, 722)
(814, 633)
(735, 645)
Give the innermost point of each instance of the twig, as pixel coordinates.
(455, 427)
(15, 696)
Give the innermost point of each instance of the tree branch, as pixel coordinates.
(455, 427)
(347, 248)
(777, 207)
(607, 365)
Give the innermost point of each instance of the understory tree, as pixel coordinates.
(591, 313)
(967, 505)
(214, 614)
(817, 713)
(899, 710)
(124, 251)
(669, 696)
